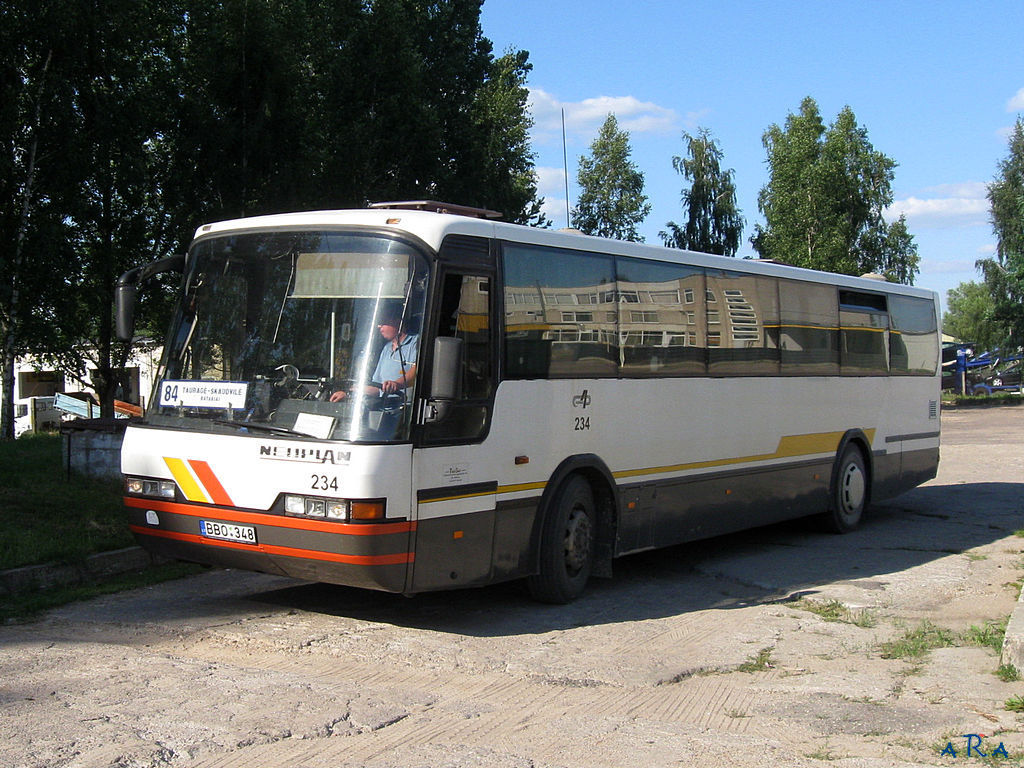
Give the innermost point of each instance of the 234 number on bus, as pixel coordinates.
(582, 423)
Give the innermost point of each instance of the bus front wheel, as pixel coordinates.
(566, 544)
(849, 497)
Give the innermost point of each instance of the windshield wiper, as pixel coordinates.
(259, 427)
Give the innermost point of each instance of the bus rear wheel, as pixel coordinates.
(849, 495)
(566, 545)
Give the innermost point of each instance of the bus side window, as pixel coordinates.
(465, 313)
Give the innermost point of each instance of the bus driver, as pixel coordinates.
(396, 366)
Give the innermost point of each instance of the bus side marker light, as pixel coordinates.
(522, 460)
(367, 510)
(457, 535)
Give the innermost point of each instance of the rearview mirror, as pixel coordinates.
(445, 376)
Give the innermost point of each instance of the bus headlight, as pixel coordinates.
(342, 510)
(142, 486)
(337, 510)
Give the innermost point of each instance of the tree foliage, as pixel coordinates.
(713, 221)
(1004, 274)
(825, 197)
(612, 201)
(968, 315)
(125, 123)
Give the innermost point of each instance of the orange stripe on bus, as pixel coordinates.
(210, 482)
(399, 558)
(277, 521)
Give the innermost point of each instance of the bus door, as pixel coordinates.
(454, 485)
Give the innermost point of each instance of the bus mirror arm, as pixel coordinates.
(127, 289)
(445, 376)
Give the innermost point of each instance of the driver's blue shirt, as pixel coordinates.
(389, 364)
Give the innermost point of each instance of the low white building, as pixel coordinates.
(36, 384)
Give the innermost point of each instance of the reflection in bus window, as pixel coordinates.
(747, 317)
(546, 336)
(913, 339)
(658, 335)
(809, 333)
(863, 339)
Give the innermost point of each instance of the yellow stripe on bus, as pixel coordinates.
(192, 490)
(789, 446)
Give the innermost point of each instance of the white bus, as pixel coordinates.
(553, 400)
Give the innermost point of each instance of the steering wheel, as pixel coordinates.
(289, 376)
(393, 402)
(289, 381)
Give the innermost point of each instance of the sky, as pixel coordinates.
(937, 85)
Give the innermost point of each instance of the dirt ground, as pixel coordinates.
(706, 654)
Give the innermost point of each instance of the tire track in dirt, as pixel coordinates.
(476, 709)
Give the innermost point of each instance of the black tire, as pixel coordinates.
(849, 494)
(567, 544)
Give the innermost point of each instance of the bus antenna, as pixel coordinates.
(565, 169)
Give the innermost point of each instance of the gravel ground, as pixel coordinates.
(764, 648)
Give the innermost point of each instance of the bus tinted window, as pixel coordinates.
(863, 342)
(809, 333)
(560, 317)
(743, 324)
(662, 325)
(913, 340)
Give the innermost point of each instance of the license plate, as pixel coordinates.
(227, 531)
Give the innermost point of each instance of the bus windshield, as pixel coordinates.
(285, 333)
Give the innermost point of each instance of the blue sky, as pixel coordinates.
(938, 85)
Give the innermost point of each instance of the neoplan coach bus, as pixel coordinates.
(553, 400)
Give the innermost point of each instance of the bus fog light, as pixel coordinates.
(316, 507)
(337, 510)
(294, 505)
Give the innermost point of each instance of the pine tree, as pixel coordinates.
(612, 201)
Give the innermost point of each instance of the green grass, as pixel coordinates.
(915, 643)
(1015, 704)
(996, 398)
(990, 635)
(1008, 673)
(759, 662)
(27, 605)
(46, 517)
(834, 610)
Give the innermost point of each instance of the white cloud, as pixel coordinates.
(550, 181)
(584, 118)
(963, 189)
(944, 207)
(1016, 103)
(954, 267)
